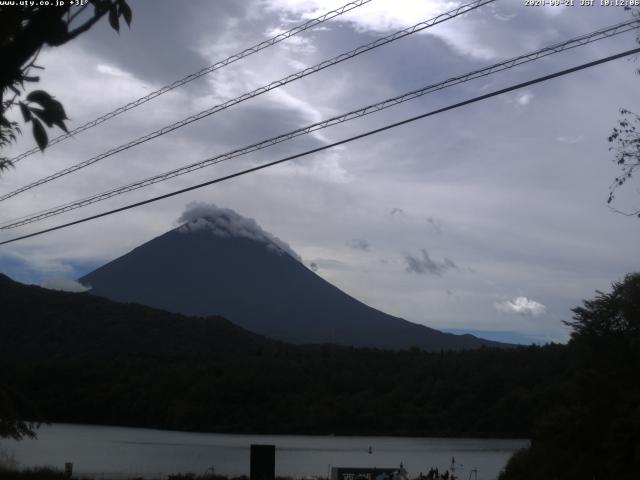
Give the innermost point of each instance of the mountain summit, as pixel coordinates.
(221, 263)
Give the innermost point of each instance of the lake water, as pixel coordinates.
(117, 452)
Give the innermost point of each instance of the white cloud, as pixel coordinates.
(224, 222)
(113, 71)
(504, 18)
(297, 44)
(387, 17)
(525, 98)
(63, 284)
(521, 306)
(571, 140)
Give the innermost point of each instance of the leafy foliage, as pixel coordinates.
(13, 408)
(593, 431)
(614, 315)
(626, 140)
(24, 31)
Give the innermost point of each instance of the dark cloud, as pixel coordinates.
(154, 45)
(427, 266)
(359, 244)
(435, 224)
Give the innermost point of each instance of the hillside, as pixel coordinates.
(84, 359)
(220, 263)
(41, 323)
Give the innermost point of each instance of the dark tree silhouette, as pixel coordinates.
(24, 31)
(14, 408)
(85, 359)
(610, 315)
(593, 430)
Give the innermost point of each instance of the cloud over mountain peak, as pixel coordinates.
(227, 223)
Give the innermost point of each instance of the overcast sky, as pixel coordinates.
(490, 219)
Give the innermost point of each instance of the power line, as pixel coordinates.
(189, 78)
(259, 91)
(361, 112)
(340, 142)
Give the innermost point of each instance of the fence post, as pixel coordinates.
(263, 462)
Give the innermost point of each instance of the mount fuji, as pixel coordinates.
(221, 263)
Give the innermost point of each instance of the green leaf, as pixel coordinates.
(113, 18)
(125, 10)
(26, 114)
(40, 134)
(39, 96)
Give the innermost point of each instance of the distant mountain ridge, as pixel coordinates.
(220, 263)
(38, 323)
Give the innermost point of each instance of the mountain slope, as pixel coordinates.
(41, 323)
(221, 263)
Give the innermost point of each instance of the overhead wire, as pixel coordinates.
(581, 40)
(334, 144)
(259, 91)
(193, 76)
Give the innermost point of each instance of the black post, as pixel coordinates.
(263, 462)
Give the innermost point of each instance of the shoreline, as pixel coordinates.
(452, 436)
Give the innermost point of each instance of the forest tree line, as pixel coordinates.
(82, 359)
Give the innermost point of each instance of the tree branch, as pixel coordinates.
(626, 214)
(80, 10)
(85, 26)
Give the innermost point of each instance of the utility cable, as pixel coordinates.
(259, 91)
(361, 112)
(326, 147)
(189, 78)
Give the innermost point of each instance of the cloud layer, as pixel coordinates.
(224, 222)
